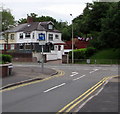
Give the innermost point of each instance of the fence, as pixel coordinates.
(92, 61)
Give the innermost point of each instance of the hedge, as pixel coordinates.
(5, 58)
(84, 53)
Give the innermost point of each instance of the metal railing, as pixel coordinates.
(92, 61)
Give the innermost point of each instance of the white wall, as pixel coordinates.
(28, 40)
(51, 56)
(54, 39)
(37, 55)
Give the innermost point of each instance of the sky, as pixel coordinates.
(58, 9)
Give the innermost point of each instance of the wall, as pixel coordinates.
(51, 56)
(5, 70)
(54, 39)
(20, 57)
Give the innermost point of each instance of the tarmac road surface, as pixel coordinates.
(54, 94)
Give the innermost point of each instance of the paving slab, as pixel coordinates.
(21, 73)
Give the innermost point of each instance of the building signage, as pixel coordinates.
(41, 36)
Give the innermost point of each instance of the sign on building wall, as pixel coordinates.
(41, 36)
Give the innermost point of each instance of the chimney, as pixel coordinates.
(29, 19)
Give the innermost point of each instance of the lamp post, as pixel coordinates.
(72, 41)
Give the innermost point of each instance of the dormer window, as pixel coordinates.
(50, 27)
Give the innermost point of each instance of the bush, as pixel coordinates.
(84, 53)
(90, 51)
(5, 58)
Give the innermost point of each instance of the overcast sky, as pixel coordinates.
(58, 9)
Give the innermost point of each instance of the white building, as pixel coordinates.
(32, 36)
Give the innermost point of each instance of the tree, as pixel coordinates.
(7, 19)
(111, 27)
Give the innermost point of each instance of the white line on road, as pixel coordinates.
(78, 77)
(74, 73)
(92, 96)
(54, 87)
(93, 71)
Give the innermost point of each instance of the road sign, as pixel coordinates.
(41, 36)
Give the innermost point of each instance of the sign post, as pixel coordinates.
(41, 39)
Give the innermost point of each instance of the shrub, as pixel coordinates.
(84, 53)
(5, 58)
(90, 51)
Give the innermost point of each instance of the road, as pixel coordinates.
(54, 94)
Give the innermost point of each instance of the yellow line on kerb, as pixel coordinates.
(75, 102)
(60, 73)
(80, 96)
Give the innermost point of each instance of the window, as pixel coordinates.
(59, 48)
(1, 47)
(12, 36)
(50, 26)
(1, 37)
(21, 46)
(12, 46)
(21, 36)
(27, 35)
(33, 35)
(56, 36)
(50, 37)
(27, 46)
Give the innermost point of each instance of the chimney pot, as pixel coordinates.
(29, 19)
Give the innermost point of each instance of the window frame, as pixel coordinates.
(50, 26)
(2, 47)
(56, 36)
(12, 36)
(12, 46)
(50, 37)
(27, 35)
(21, 36)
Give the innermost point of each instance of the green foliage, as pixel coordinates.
(5, 58)
(101, 21)
(107, 54)
(111, 27)
(7, 19)
(84, 53)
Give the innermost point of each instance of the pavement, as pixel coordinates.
(106, 101)
(22, 73)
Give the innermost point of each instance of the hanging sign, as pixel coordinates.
(41, 36)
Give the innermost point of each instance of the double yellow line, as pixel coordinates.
(60, 73)
(82, 97)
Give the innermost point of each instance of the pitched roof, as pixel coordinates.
(29, 27)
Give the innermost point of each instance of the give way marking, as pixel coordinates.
(94, 70)
(74, 73)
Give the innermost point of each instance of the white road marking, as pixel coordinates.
(78, 77)
(93, 71)
(54, 87)
(74, 73)
(84, 103)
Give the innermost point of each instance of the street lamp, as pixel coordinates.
(72, 41)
